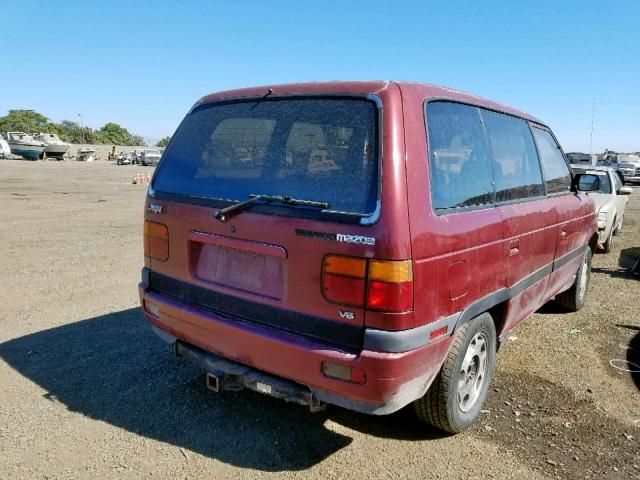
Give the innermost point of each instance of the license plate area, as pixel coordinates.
(257, 268)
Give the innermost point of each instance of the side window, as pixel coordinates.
(459, 162)
(516, 168)
(556, 172)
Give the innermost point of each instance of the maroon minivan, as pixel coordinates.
(362, 244)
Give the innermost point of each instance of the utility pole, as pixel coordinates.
(81, 127)
(593, 114)
(28, 120)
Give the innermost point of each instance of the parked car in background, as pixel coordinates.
(579, 158)
(284, 253)
(123, 158)
(616, 160)
(136, 155)
(150, 156)
(611, 200)
(630, 171)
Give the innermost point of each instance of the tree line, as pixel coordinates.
(30, 121)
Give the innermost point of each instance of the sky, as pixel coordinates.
(144, 64)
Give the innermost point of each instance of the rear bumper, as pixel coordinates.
(393, 380)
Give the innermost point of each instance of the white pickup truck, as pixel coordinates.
(626, 166)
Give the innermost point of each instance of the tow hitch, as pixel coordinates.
(223, 374)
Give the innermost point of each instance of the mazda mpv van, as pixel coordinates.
(361, 244)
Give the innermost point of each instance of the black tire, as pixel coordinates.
(606, 246)
(575, 298)
(441, 406)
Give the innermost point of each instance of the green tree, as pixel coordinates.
(137, 140)
(73, 133)
(24, 121)
(115, 134)
(30, 121)
(163, 142)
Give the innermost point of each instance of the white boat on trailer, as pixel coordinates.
(25, 145)
(54, 146)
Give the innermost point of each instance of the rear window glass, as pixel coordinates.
(319, 149)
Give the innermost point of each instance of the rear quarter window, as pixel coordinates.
(459, 163)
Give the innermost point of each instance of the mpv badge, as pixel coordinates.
(154, 208)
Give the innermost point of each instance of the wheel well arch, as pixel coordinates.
(499, 315)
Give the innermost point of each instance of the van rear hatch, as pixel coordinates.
(308, 172)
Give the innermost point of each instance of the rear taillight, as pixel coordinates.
(382, 285)
(390, 286)
(156, 241)
(344, 280)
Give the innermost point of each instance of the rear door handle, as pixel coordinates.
(563, 234)
(514, 247)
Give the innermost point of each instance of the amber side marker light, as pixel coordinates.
(156, 241)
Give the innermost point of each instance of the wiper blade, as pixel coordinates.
(223, 215)
(296, 201)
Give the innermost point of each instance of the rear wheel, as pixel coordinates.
(575, 298)
(454, 400)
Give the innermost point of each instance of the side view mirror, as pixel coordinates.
(625, 191)
(585, 182)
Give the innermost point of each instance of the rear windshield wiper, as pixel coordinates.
(223, 215)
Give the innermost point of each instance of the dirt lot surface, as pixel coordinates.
(88, 391)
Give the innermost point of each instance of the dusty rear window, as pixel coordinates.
(320, 149)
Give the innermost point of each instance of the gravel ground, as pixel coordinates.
(87, 391)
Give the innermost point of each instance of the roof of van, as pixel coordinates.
(426, 90)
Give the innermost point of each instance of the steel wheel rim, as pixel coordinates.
(473, 372)
(583, 277)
